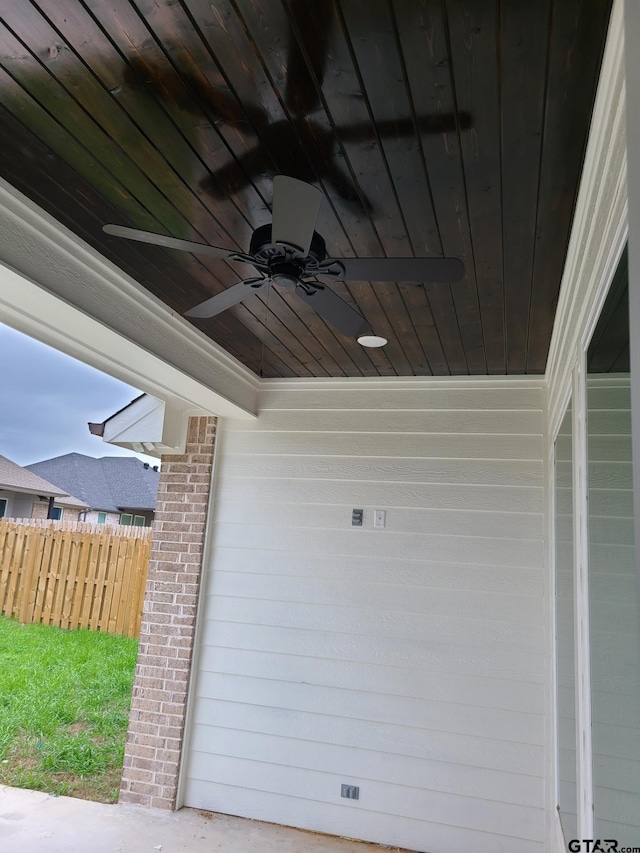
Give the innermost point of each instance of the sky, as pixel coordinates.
(47, 399)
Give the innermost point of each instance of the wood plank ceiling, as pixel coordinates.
(432, 127)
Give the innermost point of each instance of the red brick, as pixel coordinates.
(159, 803)
(166, 586)
(172, 735)
(172, 756)
(143, 788)
(139, 727)
(142, 704)
(139, 775)
(144, 682)
(127, 796)
(164, 779)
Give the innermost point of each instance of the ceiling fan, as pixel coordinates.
(290, 253)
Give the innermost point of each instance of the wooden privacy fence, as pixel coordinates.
(74, 575)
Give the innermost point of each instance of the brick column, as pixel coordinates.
(156, 724)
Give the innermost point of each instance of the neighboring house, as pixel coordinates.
(116, 489)
(472, 662)
(24, 494)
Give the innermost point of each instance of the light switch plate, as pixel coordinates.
(351, 792)
(356, 517)
(379, 517)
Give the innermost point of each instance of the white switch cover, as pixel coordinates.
(379, 516)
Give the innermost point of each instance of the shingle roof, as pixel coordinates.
(110, 484)
(70, 501)
(18, 479)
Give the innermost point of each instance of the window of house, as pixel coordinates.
(102, 517)
(138, 520)
(3, 507)
(126, 518)
(56, 513)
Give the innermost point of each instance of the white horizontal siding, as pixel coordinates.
(469, 496)
(304, 808)
(372, 420)
(396, 470)
(382, 396)
(375, 446)
(348, 675)
(409, 660)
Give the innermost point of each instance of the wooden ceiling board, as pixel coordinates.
(523, 58)
(474, 39)
(401, 186)
(431, 127)
(423, 34)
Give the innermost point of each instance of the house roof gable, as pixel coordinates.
(109, 483)
(14, 477)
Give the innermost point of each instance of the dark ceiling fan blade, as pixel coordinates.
(334, 309)
(167, 242)
(229, 297)
(295, 210)
(419, 270)
(311, 25)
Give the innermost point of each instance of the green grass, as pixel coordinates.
(64, 706)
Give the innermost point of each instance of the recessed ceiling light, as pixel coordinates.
(372, 341)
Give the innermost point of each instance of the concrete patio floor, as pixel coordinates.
(33, 822)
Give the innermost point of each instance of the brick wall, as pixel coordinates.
(158, 707)
(41, 510)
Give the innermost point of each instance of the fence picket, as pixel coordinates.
(43, 577)
(110, 560)
(69, 590)
(28, 581)
(7, 541)
(61, 576)
(125, 589)
(74, 575)
(132, 628)
(82, 611)
(51, 580)
(14, 576)
(116, 600)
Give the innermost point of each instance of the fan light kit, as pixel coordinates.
(372, 341)
(290, 253)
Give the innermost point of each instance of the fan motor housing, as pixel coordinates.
(262, 247)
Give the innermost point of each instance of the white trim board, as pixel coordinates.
(632, 20)
(600, 222)
(57, 289)
(597, 241)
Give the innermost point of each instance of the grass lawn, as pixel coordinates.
(64, 706)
